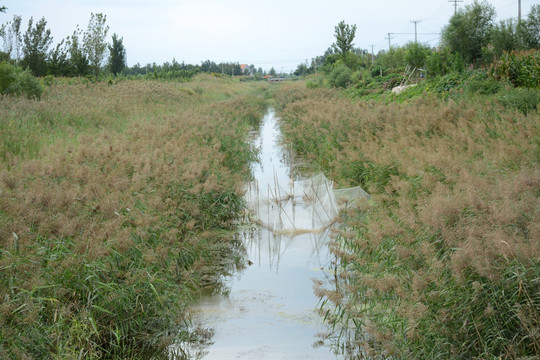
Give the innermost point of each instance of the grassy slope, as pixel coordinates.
(114, 201)
(445, 263)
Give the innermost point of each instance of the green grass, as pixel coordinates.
(443, 263)
(118, 208)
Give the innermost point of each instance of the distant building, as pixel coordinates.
(245, 69)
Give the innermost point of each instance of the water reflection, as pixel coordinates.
(270, 309)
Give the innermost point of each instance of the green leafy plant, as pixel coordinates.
(15, 81)
(340, 76)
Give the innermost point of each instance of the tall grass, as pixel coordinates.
(115, 201)
(445, 262)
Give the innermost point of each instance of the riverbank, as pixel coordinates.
(444, 264)
(117, 206)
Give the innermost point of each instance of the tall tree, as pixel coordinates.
(59, 64)
(12, 39)
(117, 56)
(77, 57)
(505, 37)
(94, 41)
(344, 39)
(17, 37)
(37, 40)
(469, 30)
(530, 29)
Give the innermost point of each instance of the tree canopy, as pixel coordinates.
(344, 38)
(94, 41)
(37, 40)
(469, 30)
(117, 55)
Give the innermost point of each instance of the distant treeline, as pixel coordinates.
(471, 39)
(87, 53)
(175, 69)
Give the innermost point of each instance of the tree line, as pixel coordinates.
(471, 39)
(80, 54)
(87, 53)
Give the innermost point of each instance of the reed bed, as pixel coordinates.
(116, 202)
(445, 262)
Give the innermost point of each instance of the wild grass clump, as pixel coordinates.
(523, 100)
(116, 202)
(444, 263)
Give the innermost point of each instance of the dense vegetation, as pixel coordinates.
(118, 198)
(471, 40)
(444, 263)
(116, 205)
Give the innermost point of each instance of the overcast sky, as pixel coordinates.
(278, 33)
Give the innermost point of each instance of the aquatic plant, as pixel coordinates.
(116, 201)
(444, 263)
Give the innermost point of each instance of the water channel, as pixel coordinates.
(270, 310)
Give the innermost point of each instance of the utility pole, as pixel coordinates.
(372, 56)
(415, 33)
(389, 38)
(519, 11)
(455, 4)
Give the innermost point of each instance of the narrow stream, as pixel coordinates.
(270, 311)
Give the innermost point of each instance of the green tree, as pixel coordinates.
(393, 59)
(117, 56)
(301, 70)
(529, 29)
(505, 37)
(12, 39)
(77, 57)
(344, 39)
(59, 63)
(416, 54)
(439, 62)
(37, 40)
(469, 31)
(94, 41)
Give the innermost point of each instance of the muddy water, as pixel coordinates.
(269, 311)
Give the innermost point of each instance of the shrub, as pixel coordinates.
(340, 77)
(314, 84)
(524, 100)
(15, 81)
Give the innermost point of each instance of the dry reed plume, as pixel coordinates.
(445, 264)
(112, 200)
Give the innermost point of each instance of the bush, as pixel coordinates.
(524, 100)
(315, 84)
(479, 82)
(15, 81)
(340, 77)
